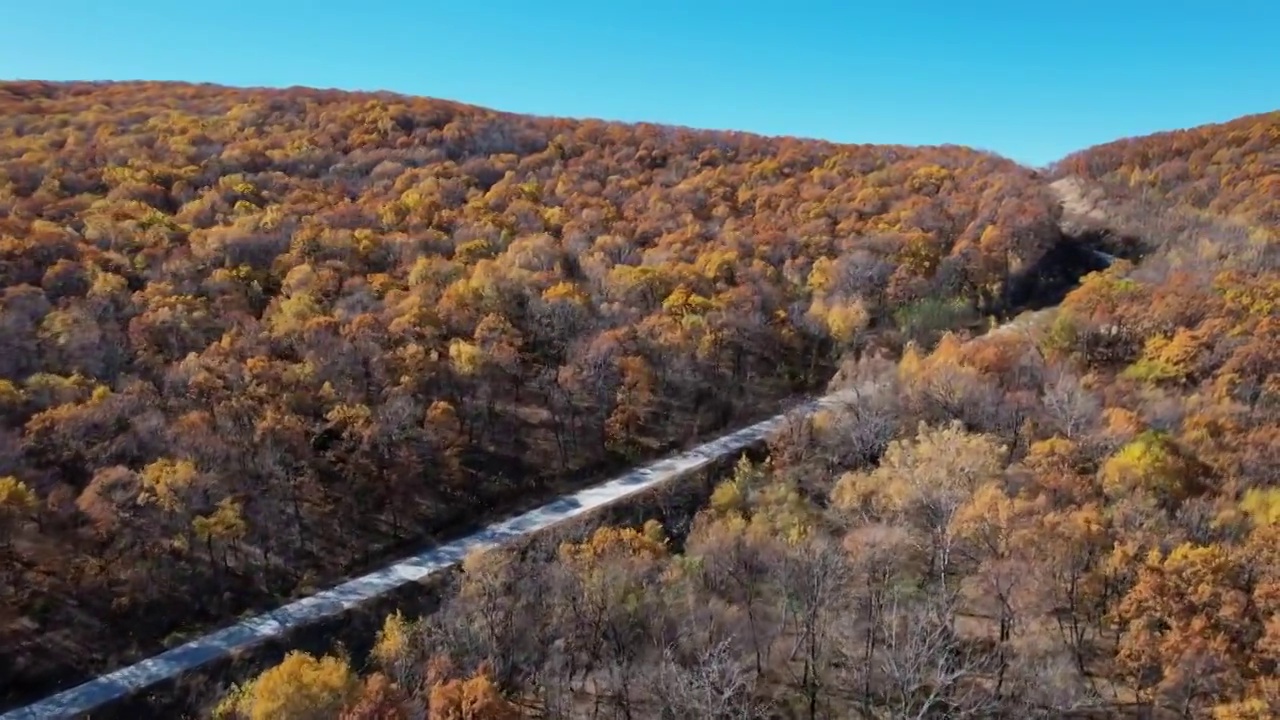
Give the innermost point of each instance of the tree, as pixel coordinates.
(714, 685)
(1071, 407)
(379, 699)
(1262, 505)
(632, 403)
(505, 627)
(880, 556)
(1262, 702)
(1149, 463)
(739, 566)
(1069, 549)
(302, 325)
(224, 526)
(1187, 625)
(925, 481)
(925, 669)
(813, 576)
(169, 484)
(995, 528)
(616, 602)
(1058, 470)
(473, 698)
(110, 498)
(301, 687)
(16, 502)
(397, 653)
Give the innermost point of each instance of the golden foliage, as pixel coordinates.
(225, 523)
(1188, 612)
(940, 465)
(473, 698)
(165, 480)
(301, 687)
(327, 309)
(1149, 463)
(1262, 505)
(394, 642)
(1237, 157)
(15, 496)
(607, 542)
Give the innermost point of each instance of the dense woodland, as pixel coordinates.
(1072, 516)
(1227, 170)
(254, 340)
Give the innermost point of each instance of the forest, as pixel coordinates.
(256, 340)
(1073, 516)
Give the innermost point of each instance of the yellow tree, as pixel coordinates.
(843, 320)
(763, 503)
(166, 484)
(16, 502)
(1151, 464)
(1262, 505)
(396, 651)
(301, 687)
(925, 481)
(225, 525)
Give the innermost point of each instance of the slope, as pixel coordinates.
(1073, 516)
(246, 634)
(256, 340)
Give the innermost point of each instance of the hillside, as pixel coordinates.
(256, 339)
(1230, 169)
(1074, 516)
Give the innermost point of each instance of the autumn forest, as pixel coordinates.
(254, 341)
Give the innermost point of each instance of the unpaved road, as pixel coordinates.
(1077, 202)
(1081, 207)
(245, 634)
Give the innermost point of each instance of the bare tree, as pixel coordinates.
(740, 567)
(1070, 407)
(926, 670)
(865, 426)
(716, 685)
(1044, 682)
(815, 578)
(879, 554)
(499, 601)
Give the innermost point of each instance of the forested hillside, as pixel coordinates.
(1074, 516)
(1229, 170)
(254, 339)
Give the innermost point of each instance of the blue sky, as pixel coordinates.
(1030, 79)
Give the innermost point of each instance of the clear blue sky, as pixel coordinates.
(1030, 79)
